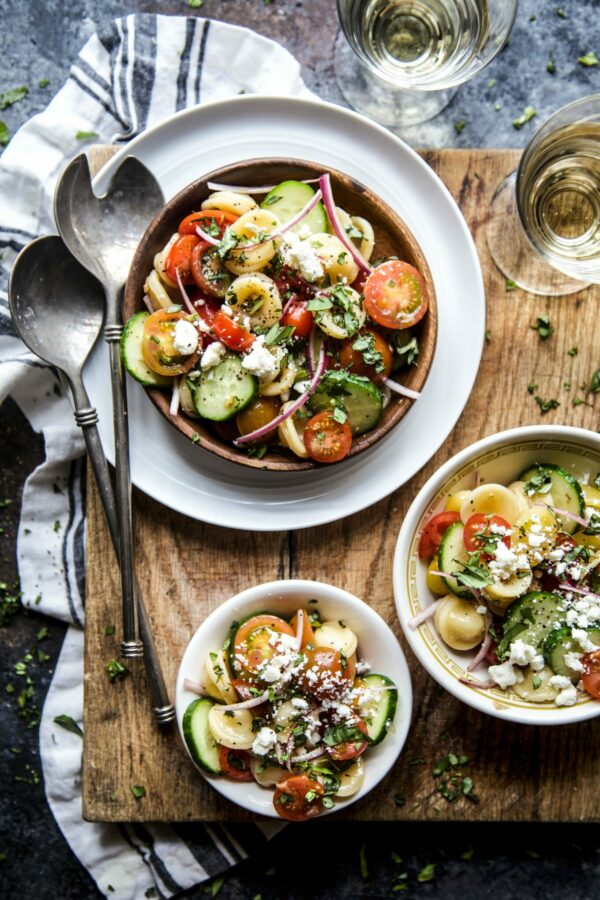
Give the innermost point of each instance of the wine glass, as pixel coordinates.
(544, 227)
(412, 54)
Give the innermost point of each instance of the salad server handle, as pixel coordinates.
(87, 417)
(131, 645)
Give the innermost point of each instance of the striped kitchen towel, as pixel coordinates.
(128, 77)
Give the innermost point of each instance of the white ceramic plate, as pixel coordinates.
(499, 458)
(184, 477)
(376, 644)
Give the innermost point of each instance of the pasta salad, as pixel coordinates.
(269, 321)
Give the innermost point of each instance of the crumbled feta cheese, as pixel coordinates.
(521, 654)
(567, 695)
(299, 254)
(482, 610)
(573, 661)
(304, 231)
(504, 674)
(299, 703)
(185, 337)
(362, 667)
(260, 361)
(213, 355)
(264, 741)
(270, 673)
(505, 562)
(583, 639)
(538, 662)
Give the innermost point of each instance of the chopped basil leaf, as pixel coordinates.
(86, 135)
(528, 113)
(68, 724)
(427, 873)
(543, 327)
(116, 670)
(590, 59)
(4, 134)
(138, 790)
(7, 98)
(546, 405)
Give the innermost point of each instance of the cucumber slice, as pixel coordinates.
(380, 713)
(557, 644)
(225, 390)
(361, 399)
(565, 490)
(198, 736)
(289, 198)
(452, 551)
(131, 353)
(531, 618)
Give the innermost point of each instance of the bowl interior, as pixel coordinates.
(501, 463)
(376, 643)
(393, 237)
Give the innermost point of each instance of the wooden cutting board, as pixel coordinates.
(187, 568)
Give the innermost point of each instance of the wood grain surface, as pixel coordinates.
(186, 569)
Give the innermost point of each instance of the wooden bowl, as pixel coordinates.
(393, 238)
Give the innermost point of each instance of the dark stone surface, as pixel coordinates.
(39, 41)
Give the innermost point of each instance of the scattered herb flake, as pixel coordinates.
(590, 59)
(467, 855)
(577, 401)
(488, 336)
(459, 126)
(68, 724)
(86, 135)
(427, 873)
(138, 791)
(561, 13)
(116, 670)
(110, 629)
(511, 285)
(532, 388)
(546, 405)
(4, 134)
(491, 83)
(196, 4)
(543, 327)
(14, 95)
(217, 884)
(362, 860)
(594, 385)
(528, 113)
(573, 351)
(551, 65)
(56, 526)
(43, 82)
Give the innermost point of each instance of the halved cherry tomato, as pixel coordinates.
(230, 333)
(259, 413)
(208, 271)
(235, 764)
(591, 673)
(301, 318)
(308, 635)
(252, 642)
(326, 440)
(324, 673)
(354, 359)
(207, 308)
(157, 344)
(395, 295)
(298, 798)
(349, 749)
(481, 524)
(213, 221)
(434, 531)
(180, 258)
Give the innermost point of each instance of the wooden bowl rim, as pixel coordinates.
(191, 428)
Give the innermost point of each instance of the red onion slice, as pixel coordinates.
(423, 616)
(296, 405)
(474, 683)
(399, 389)
(207, 237)
(329, 203)
(195, 687)
(147, 303)
(245, 189)
(485, 645)
(569, 515)
(184, 294)
(577, 590)
(175, 397)
(289, 303)
(246, 704)
(300, 628)
(304, 757)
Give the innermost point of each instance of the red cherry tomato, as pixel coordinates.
(208, 308)
(354, 361)
(325, 673)
(235, 764)
(591, 673)
(434, 531)
(253, 640)
(325, 439)
(298, 798)
(349, 749)
(395, 295)
(301, 318)
(180, 258)
(208, 270)
(230, 333)
(213, 221)
(478, 529)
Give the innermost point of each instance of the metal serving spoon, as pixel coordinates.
(58, 309)
(102, 234)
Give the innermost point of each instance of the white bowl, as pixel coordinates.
(499, 458)
(376, 644)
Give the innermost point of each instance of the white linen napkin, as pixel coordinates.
(128, 77)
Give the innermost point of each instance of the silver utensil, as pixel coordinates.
(58, 309)
(102, 234)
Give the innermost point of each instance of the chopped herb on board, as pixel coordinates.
(511, 285)
(427, 873)
(561, 13)
(43, 82)
(4, 134)
(551, 65)
(543, 327)
(116, 670)
(577, 401)
(528, 113)
(532, 388)
(362, 861)
(459, 126)
(573, 351)
(488, 336)
(546, 405)
(590, 59)
(110, 629)
(594, 385)
(86, 135)
(216, 885)
(195, 4)
(138, 791)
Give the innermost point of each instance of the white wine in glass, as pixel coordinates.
(412, 53)
(544, 228)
